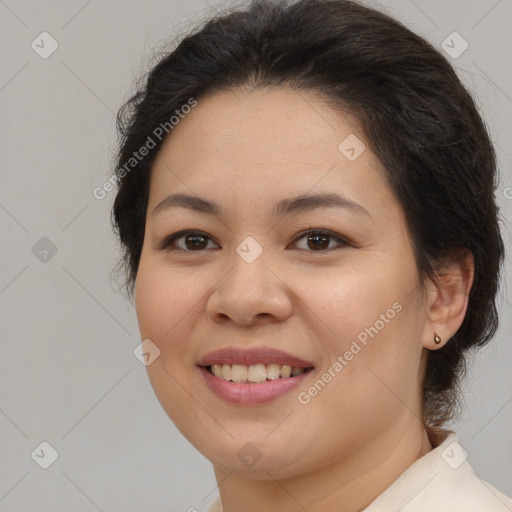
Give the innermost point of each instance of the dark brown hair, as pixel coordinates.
(415, 113)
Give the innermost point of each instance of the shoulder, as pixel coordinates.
(442, 480)
(460, 490)
(215, 506)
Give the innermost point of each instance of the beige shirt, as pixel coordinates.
(440, 481)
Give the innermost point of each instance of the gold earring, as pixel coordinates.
(437, 338)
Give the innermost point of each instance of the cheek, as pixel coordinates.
(165, 310)
(374, 327)
(361, 305)
(160, 295)
(164, 307)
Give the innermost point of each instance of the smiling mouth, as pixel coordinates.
(253, 374)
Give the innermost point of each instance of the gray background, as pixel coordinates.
(68, 373)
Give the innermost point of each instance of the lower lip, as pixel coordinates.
(251, 394)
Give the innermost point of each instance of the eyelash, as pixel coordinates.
(166, 243)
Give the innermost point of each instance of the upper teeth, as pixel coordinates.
(255, 372)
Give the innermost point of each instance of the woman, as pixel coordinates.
(306, 207)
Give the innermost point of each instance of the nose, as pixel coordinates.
(250, 293)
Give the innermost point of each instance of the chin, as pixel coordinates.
(258, 460)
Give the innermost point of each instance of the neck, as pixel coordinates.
(350, 484)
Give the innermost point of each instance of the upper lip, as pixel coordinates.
(245, 356)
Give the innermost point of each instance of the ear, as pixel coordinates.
(448, 299)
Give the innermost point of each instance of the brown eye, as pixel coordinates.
(191, 241)
(196, 241)
(318, 241)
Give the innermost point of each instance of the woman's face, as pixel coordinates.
(349, 310)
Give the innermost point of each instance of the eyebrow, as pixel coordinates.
(297, 204)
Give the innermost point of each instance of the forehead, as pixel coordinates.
(278, 118)
(261, 144)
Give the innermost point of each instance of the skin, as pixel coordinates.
(246, 150)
